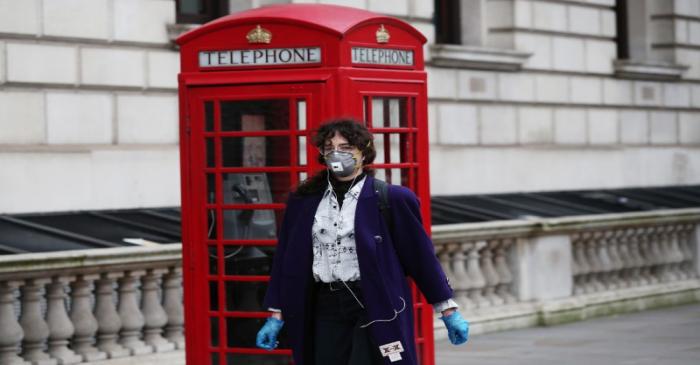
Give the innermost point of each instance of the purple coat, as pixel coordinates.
(384, 259)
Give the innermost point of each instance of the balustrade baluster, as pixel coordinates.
(11, 333)
(155, 317)
(616, 264)
(60, 326)
(108, 320)
(172, 303)
(130, 314)
(639, 275)
(647, 254)
(478, 282)
(678, 256)
(686, 244)
(625, 257)
(463, 282)
(605, 275)
(83, 320)
(490, 274)
(506, 277)
(593, 285)
(582, 267)
(36, 330)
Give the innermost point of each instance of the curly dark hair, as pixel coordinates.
(357, 135)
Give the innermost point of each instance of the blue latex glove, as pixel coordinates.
(457, 328)
(267, 336)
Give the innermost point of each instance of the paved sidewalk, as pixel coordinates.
(668, 336)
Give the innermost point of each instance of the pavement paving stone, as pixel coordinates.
(669, 336)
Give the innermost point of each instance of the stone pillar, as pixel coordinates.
(36, 330)
(60, 326)
(696, 249)
(11, 333)
(544, 268)
(108, 321)
(172, 303)
(130, 314)
(155, 316)
(83, 320)
(473, 22)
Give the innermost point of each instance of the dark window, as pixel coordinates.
(200, 11)
(621, 13)
(447, 22)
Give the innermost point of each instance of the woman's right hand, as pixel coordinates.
(267, 336)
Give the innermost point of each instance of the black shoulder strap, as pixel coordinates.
(382, 189)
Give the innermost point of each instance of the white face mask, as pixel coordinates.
(341, 164)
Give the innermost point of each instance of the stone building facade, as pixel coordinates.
(532, 95)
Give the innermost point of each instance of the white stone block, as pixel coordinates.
(663, 127)
(22, 117)
(549, 16)
(143, 21)
(19, 16)
(608, 23)
(608, 3)
(586, 90)
(428, 30)
(691, 58)
(568, 54)
(680, 31)
(432, 123)
(75, 118)
(552, 88)
(676, 95)
(687, 7)
(458, 124)
(634, 127)
(516, 86)
(498, 125)
(77, 18)
(694, 32)
(544, 268)
(522, 14)
(477, 85)
(600, 56)
(617, 92)
(584, 20)
(661, 31)
(570, 126)
(647, 93)
(3, 76)
(117, 67)
(602, 126)
(499, 14)
(147, 119)
(41, 63)
(695, 95)
(442, 82)
(360, 4)
(535, 125)
(163, 68)
(539, 45)
(689, 124)
(397, 7)
(421, 9)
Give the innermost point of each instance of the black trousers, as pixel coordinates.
(338, 337)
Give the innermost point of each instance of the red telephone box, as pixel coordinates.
(253, 87)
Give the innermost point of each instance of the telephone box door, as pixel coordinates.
(248, 148)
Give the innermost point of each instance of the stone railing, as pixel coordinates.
(561, 264)
(83, 306)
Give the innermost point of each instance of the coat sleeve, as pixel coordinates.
(414, 247)
(273, 294)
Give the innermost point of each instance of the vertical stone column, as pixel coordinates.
(696, 249)
(60, 326)
(474, 270)
(155, 316)
(490, 273)
(172, 303)
(83, 320)
(504, 289)
(108, 321)
(11, 333)
(36, 330)
(130, 314)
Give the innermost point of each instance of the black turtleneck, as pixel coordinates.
(342, 187)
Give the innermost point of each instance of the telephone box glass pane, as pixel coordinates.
(213, 260)
(254, 115)
(211, 155)
(247, 260)
(209, 116)
(213, 296)
(255, 151)
(301, 115)
(249, 224)
(245, 296)
(255, 188)
(214, 358)
(388, 154)
(302, 150)
(214, 328)
(211, 224)
(389, 112)
(211, 188)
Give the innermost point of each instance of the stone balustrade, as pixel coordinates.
(70, 307)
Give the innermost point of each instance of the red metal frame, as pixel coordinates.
(333, 88)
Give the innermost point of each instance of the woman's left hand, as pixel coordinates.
(457, 327)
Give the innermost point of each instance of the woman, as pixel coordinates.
(338, 278)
